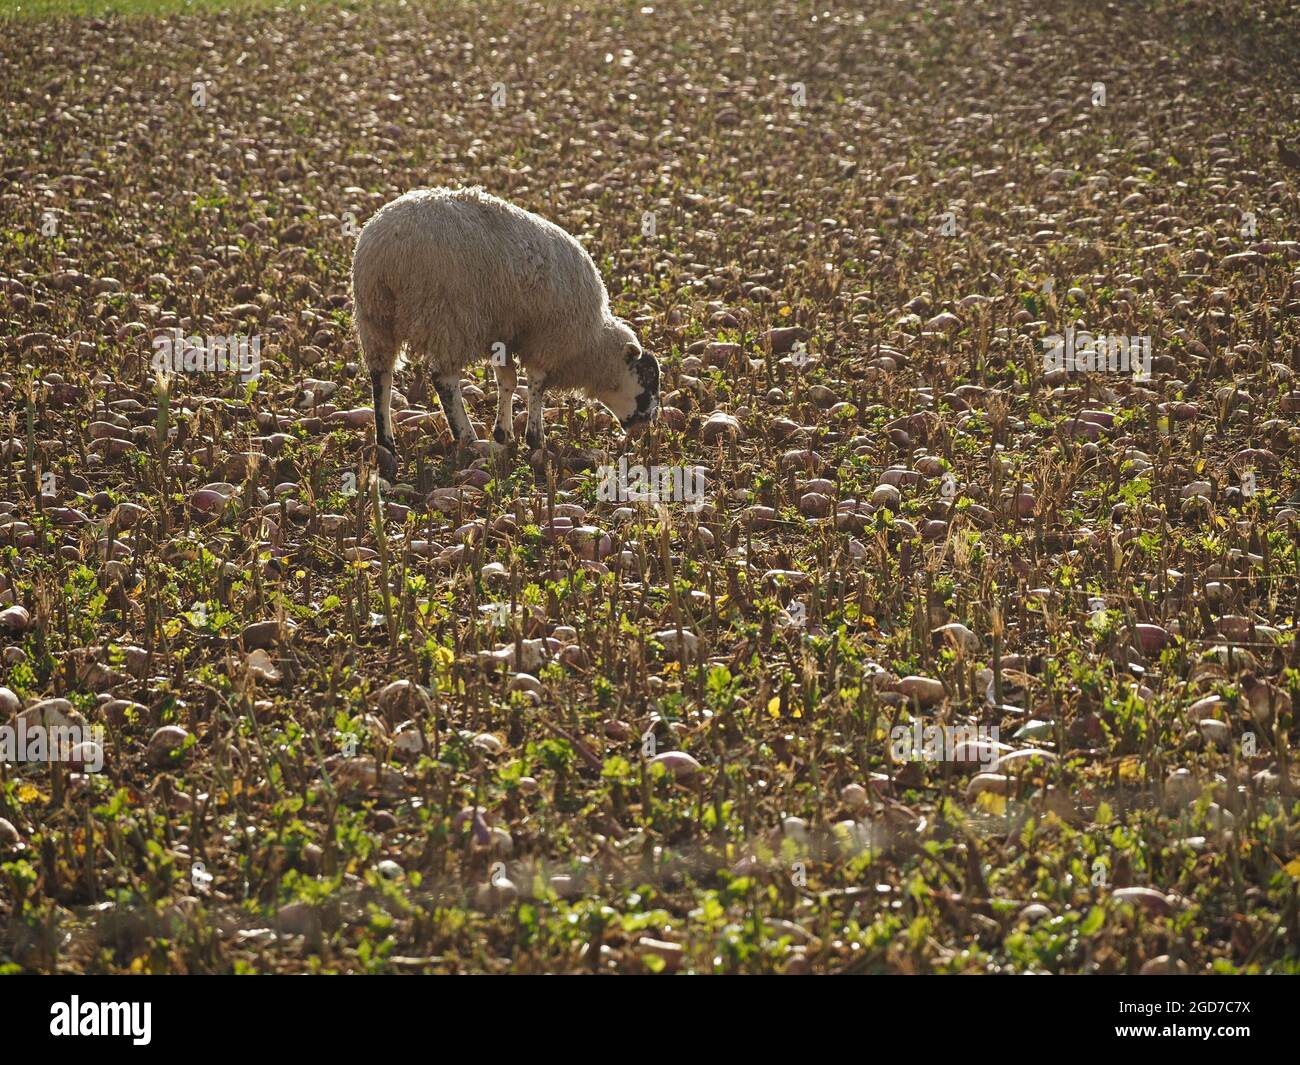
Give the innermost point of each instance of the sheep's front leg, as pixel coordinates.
(503, 431)
(448, 389)
(381, 384)
(535, 434)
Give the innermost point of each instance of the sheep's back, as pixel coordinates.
(467, 269)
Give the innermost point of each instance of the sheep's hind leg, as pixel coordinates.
(381, 384)
(535, 434)
(503, 430)
(453, 406)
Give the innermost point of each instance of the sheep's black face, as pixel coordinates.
(645, 369)
(630, 385)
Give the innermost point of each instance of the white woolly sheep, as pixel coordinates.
(457, 275)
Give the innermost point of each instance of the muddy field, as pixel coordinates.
(935, 647)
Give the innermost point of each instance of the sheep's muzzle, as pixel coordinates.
(639, 422)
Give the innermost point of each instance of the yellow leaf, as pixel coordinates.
(774, 706)
(991, 803)
(30, 793)
(1293, 867)
(784, 312)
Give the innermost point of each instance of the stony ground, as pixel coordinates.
(484, 720)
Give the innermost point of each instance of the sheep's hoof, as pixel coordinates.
(501, 444)
(464, 452)
(386, 461)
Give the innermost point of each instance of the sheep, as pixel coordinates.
(458, 274)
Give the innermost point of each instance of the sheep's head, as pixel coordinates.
(632, 392)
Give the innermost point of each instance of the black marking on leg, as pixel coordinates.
(377, 390)
(446, 397)
(535, 429)
(457, 417)
(499, 435)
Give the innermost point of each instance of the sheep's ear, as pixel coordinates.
(632, 353)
